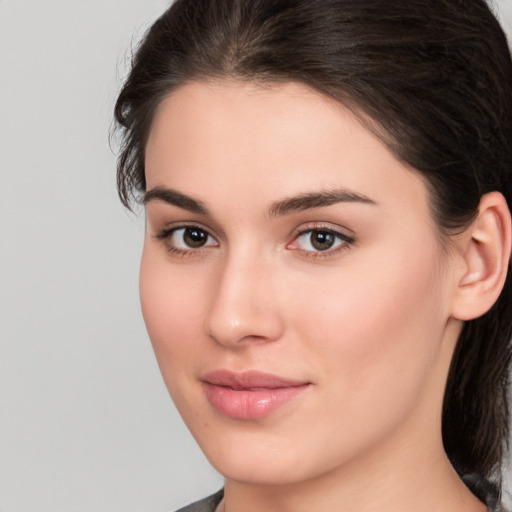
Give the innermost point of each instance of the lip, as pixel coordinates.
(251, 394)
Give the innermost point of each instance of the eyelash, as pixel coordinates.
(342, 240)
(166, 236)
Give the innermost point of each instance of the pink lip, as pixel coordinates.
(249, 395)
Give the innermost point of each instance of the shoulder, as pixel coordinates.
(208, 504)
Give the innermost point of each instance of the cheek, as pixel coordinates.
(172, 310)
(375, 333)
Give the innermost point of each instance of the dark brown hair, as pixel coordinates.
(433, 76)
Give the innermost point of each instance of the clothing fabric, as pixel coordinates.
(205, 505)
(484, 490)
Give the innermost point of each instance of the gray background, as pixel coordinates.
(85, 421)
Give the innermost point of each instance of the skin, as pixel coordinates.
(368, 324)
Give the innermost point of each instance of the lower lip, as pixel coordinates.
(250, 404)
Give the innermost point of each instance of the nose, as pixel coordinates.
(244, 305)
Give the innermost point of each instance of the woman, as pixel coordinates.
(327, 186)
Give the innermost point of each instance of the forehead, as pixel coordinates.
(236, 139)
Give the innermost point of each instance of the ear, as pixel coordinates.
(484, 253)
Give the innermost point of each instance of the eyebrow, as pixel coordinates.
(310, 200)
(175, 198)
(300, 202)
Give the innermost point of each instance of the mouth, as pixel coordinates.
(249, 395)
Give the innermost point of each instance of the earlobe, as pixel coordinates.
(485, 256)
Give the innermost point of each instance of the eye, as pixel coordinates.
(191, 237)
(320, 240)
(186, 238)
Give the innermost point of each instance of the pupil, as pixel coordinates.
(195, 237)
(322, 240)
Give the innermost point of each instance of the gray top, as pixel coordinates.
(205, 505)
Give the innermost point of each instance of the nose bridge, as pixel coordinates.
(243, 306)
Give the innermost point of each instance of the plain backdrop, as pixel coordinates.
(85, 421)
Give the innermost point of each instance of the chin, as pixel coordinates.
(266, 471)
(253, 457)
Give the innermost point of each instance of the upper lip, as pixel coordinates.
(249, 379)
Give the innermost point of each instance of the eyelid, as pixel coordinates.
(323, 226)
(173, 226)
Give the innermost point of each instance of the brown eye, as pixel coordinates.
(322, 240)
(187, 238)
(194, 237)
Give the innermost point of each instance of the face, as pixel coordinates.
(292, 283)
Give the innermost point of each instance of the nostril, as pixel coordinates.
(241, 327)
(242, 308)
